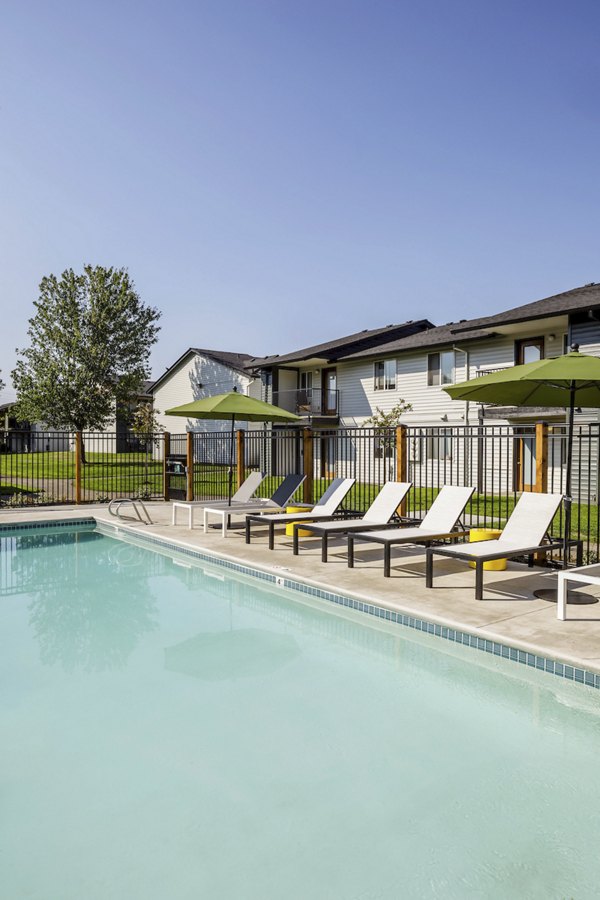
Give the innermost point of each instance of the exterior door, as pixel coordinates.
(329, 392)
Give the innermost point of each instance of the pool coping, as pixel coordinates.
(562, 665)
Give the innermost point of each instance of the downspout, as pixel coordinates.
(466, 353)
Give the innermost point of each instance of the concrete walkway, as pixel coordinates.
(509, 613)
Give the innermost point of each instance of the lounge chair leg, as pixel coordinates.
(387, 552)
(350, 552)
(428, 568)
(478, 579)
(271, 535)
(324, 548)
(247, 530)
(295, 540)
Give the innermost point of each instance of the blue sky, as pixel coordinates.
(274, 174)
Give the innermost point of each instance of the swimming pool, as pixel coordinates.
(170, 729)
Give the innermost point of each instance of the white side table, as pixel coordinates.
(582, 575)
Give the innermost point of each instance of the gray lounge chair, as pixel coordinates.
(242, 495)
(440, 522)
(278, 500)
(377, 515)
(324, 509)
(523, 535)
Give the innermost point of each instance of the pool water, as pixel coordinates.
(169, 731)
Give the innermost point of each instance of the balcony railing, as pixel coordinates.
(489, 370)
(309, 402)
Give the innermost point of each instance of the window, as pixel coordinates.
(306, 381)
(440, 368)
(385, 375)
(529, 350)
(384, 447)
(439, 443)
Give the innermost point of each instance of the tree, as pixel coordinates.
(90, 341)
(385, 422)
(391, 419)
(146, 426)
(1, 383)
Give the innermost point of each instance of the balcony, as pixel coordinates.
(309, 403)
(489, 370)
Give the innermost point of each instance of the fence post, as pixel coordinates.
(241, 456)
(307, 439)
(401, 461)
(541, 468)
(541, 457)
(189, 489)
(78, 457)
(166, 452)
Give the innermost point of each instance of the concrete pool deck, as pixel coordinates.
(509, 613)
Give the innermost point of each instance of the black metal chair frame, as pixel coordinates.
(552, 544)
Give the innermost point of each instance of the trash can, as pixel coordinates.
(176, 470)
(487, 534)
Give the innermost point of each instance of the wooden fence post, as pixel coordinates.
(541, 468)
(78, 458)
(241, 456)
(166, 452)
(401, 461)
(189, 489)
(307, 440)
(541, 458)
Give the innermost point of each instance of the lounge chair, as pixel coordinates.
(324, 509)
(439, 523)
(243, 495)
(278, 500)
(523, 535)
(378, 515)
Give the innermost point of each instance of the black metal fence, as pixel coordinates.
(38, 468)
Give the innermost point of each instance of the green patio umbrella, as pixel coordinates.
(569, 381)
(232, 406)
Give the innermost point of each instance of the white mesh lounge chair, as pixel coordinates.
(278, 500)
(378, 515)
(439, 523)
(243, 495)
(324, 509)
(523, 535)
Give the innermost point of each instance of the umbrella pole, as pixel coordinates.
(568, 500)
(230, 486)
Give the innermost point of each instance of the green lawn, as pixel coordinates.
(106, 474)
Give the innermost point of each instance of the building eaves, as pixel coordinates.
(578, 299)
(340, 347)
(235, 361)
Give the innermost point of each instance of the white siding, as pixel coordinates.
(181, 386)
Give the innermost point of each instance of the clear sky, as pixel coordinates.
(276, 173)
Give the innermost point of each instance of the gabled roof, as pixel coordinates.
(433, 337)
(340, 347)
(235, 361)
(577, 299)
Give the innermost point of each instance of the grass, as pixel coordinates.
(137, 473)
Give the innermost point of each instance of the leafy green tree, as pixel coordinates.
(90, 341)
(147, 427)
(1, 383)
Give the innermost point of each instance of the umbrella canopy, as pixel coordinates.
(565, 381)
(548, 382)
(232, 406)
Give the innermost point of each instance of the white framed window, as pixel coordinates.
(441, 367)
(385, 375)
(439, 443)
